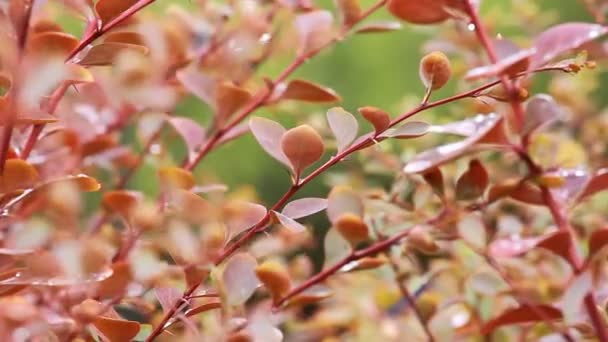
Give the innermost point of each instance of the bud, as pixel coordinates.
(421, 240)
(352, 228)
(435, 70)
(377, 117)
(275, 277)
(87, 311)
(303, 146)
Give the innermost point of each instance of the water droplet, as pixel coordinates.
(471, 27)
(265, 38)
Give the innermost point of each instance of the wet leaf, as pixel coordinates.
(239, 279)
(343, 125)
(117, 330)
(521, 314)
(307, 91)
(105, 53)
(304, 207)
(473, 183)
(269, 135)
(563, 38)
(483, 127)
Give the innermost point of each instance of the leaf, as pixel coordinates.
(124, 37)
(599, 182)
(167, 297)
(307, 91)
(408, 130)
(473, 182)
(289, 223)
(117, 330)
(335, 248)
(121, 201)
(229, 99)
(303, 146)
(17, 175)
(52, 43)
(511, 247)
(343, 125)
(379, 27)
(482, 128)
(423, 12)
(269, 135)
(238, 278)
(314, 30)
(597, 241)
(350, 11)
(573, 297)
(559, 243)
(343, 200)
(105, 53)
(563, 38)
(240, 216)
(192, 133)
(472, 230)
(434, 177)
(198, 84)
(176, 178)
(107, 10)
(541, 110)
(304, 207)
(487, 283)
(311, 295)
(203, 308)
(505, 66)
(521, 314)
(377, 117)
(117, 283)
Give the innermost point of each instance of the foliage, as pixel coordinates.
(489, 225)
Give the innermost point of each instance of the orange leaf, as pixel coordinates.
(307, 91)
(229, 99)
(203, 308)
(53, 43)
(121, 201)
(422, 12)
(116, 284)
(176, 177)
(597, 241)
(117, 330)
(110, 9)
(18, 174)
(125, 37)
(105, 53)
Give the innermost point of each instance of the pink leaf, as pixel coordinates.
(167, 297)
(541, 110)
(502, 67)
(511, 247)
(484, 129)
(239, 279)
(192, 133)
(563, 38)
(242, 216)
(289, 223)
(198, 84)
(412, 129)
(269, 134)
(304, 207)
(343, 125)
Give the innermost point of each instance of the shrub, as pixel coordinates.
(488, 223)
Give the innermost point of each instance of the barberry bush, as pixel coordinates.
(476, 212)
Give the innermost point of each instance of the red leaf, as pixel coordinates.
(473, 182)
(559, 243)
(563, 38)
(110, 9)
(379, 27)
(423, 12)
(167, 297)
(597, 241)
(598, 183)
(522, 314)
(343, 125)
(304, 207)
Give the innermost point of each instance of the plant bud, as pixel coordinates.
(303, 146)
(377, 117)
(275, 277)
(87, 311)
(435, 70)
(352, 228)
(422, 241)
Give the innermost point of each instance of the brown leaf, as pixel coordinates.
(18, 174)
(377, 117)
(423, 12)
(105, 53)
(117, 330)
(473, 182)
(307, 91)
(121, 201)
(303, 146)
(597, 241)
(52, 43)
(230, 98)
(110, 9)
(117, 283)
